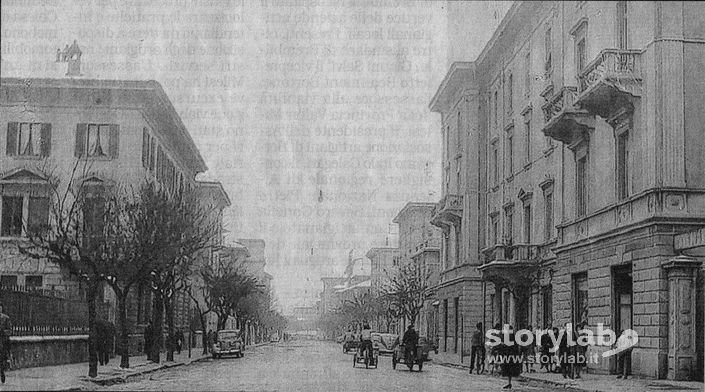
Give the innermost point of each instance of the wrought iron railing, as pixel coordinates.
(559, 102)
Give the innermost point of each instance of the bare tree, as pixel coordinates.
(407, 290)
(73, 238)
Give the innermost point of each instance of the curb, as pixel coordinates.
(124, 377)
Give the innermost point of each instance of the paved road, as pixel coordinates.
(312, 366)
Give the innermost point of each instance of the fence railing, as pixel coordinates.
(35, 311)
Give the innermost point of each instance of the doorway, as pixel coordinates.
(622, 297)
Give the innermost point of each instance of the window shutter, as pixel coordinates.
(45, 142)
(114, 141)
(80, 147)
(11, 148)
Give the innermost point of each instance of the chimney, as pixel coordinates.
(72, 55)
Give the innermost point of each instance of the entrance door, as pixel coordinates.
(622, 294)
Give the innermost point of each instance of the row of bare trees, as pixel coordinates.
(108, 234)
(402, 297)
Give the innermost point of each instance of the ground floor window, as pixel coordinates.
(547, 299)
(580, 298)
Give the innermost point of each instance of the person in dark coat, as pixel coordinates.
(510, 359)
(565, 355)
(546, 350)
(179, 340)
(105, 332)
(148, 338)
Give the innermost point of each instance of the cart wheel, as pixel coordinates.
(420, 365)
(394, 362)
(354, 359)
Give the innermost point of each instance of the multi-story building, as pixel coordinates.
(590, 151)
(458, 213)
(384, 263)
(419, 243)
(104, 133)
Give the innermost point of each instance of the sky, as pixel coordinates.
(312, 113)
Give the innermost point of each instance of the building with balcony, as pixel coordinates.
(589, 143)
(419, 243)
(458, 213)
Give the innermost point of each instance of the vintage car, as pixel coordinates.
(228, 341)
(386, 342)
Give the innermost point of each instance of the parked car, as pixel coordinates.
(228, 341)
(386, 342)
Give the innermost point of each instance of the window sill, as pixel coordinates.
(494, 188)
(510, 178)
(527, 165)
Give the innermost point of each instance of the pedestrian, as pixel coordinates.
(5, 332)
(624, 352)
(528, 354)
(477, 350)
(581, 334)
(565, 353)
(510, 355)
(493, 352)
(179, 340)
(555, 347)
(211, 339)
(103, 341)
(148, 338)
(545, 350)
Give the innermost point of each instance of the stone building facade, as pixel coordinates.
(584, 127)
(419, 243)
(115, 133)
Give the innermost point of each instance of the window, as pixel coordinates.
(8, 281)
(495, 164)
(548, 218)
(489, 111)
(510, 152)
(547, 299)
(458, 178)
(445, 324)
(459, 135)
(28, 139)
(509, 225)
(458, 236)
(623, 165)
(548, 50)
(622, 30)
(33, 281)
(580, 298)
(96, 141)
(456, 335)
(581, 186)
(93, 218)
(495, 107)
(506, 306)
(510, 93)
(11, 216)
(527, 222)
(527, 138)
(527, 75)
(580, 54)
(493, 229)
(38, 214)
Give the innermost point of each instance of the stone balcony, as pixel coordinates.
(448, 211)
(564, 121)
(426, 246)
(511, 263)
(611, 81)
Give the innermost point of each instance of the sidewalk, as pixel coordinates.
(596, 382)
(75, 376)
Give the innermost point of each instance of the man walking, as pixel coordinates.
(5, 331)
(411, 340)
(624, 352)
(477, 350)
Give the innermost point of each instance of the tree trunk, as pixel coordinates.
(124, 333)
(204, 335)
(169, 310)
(92, 332)
(157, 321)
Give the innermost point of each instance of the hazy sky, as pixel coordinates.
(313, 114)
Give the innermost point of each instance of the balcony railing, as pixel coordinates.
(560, 102)
(612, 65)
(511, 253)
